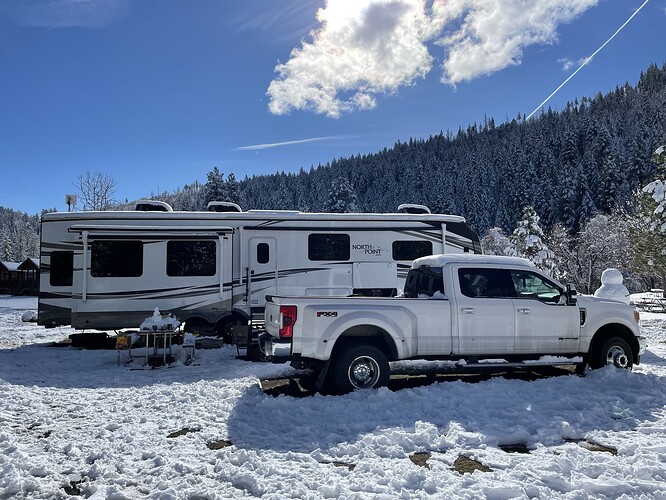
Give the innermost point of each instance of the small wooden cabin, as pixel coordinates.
(19, 278)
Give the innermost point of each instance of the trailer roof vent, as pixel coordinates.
(152, 206)
(223, 206)
(410, 208)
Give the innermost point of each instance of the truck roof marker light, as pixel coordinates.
(287, 320)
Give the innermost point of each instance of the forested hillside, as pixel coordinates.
(569, 165)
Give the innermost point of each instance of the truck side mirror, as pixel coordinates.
(571, 295)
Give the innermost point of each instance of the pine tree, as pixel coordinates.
(6, 245)
(528, 240)
(657, 190)
(341, 197)
(497, 243)
(648, 224)
(232, 189)
(215, 188)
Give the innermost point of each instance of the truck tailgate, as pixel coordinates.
(272, 318)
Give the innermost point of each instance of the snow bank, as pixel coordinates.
(114, 432)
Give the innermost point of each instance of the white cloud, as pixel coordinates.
(494, 33)
(363, 48)
(566, 63)
(366, 48)
(68, 13)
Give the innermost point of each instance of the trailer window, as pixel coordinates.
(62, 268)
(116, 259)
(410, 250)
(263, 253)
(191, 258)
(329, 247)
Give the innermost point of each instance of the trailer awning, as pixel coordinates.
(150, 232)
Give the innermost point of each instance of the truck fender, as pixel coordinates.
(614, 329)
(398, 333)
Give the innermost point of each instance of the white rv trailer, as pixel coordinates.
(109, 270)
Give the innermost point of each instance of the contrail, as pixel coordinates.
(256, 147)
(587, 60)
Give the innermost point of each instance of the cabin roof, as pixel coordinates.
(9, 266)
(29, 264)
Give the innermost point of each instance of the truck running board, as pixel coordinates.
(530, 364)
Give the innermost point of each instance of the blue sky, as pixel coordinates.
(155, 93)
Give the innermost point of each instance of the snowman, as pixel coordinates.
(612, 287)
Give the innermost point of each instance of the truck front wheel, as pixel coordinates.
(615, 351)
(360, 367)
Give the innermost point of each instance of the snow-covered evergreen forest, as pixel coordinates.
(579, 170)
(19, 235)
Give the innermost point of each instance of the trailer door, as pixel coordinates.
(263, 271)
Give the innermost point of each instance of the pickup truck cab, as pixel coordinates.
(454, 307)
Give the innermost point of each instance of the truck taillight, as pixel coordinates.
(287, 320)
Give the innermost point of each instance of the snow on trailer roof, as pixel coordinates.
(249, 215)
(468, 258)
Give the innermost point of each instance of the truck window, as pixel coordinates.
(62, 268)
(191, 258)
(116, 259)
(533, 286)
(411, 250)
(424, 281)
(486, 283)
(329, 247)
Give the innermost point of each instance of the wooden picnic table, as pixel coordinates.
(651, 304)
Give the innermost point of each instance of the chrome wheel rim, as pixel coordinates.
(617, 357)
(363, 372)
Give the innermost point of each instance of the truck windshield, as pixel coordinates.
(424, 281)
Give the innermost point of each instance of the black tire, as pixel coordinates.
(225, 327)
(360, 367)
(615, 351)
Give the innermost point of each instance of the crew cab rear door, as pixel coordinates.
(485, 311)
(432, 308)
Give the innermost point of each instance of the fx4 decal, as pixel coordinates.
(327, 314)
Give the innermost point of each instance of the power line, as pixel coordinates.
(587, 60)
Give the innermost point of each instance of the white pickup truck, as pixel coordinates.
(463, 307)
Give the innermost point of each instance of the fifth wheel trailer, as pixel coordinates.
(212, 270)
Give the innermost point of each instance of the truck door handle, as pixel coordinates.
(467, 310)
(523, 311)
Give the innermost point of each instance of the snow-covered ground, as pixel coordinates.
(74, 422)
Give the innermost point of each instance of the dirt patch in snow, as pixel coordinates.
(421, 459)
(465, 465)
